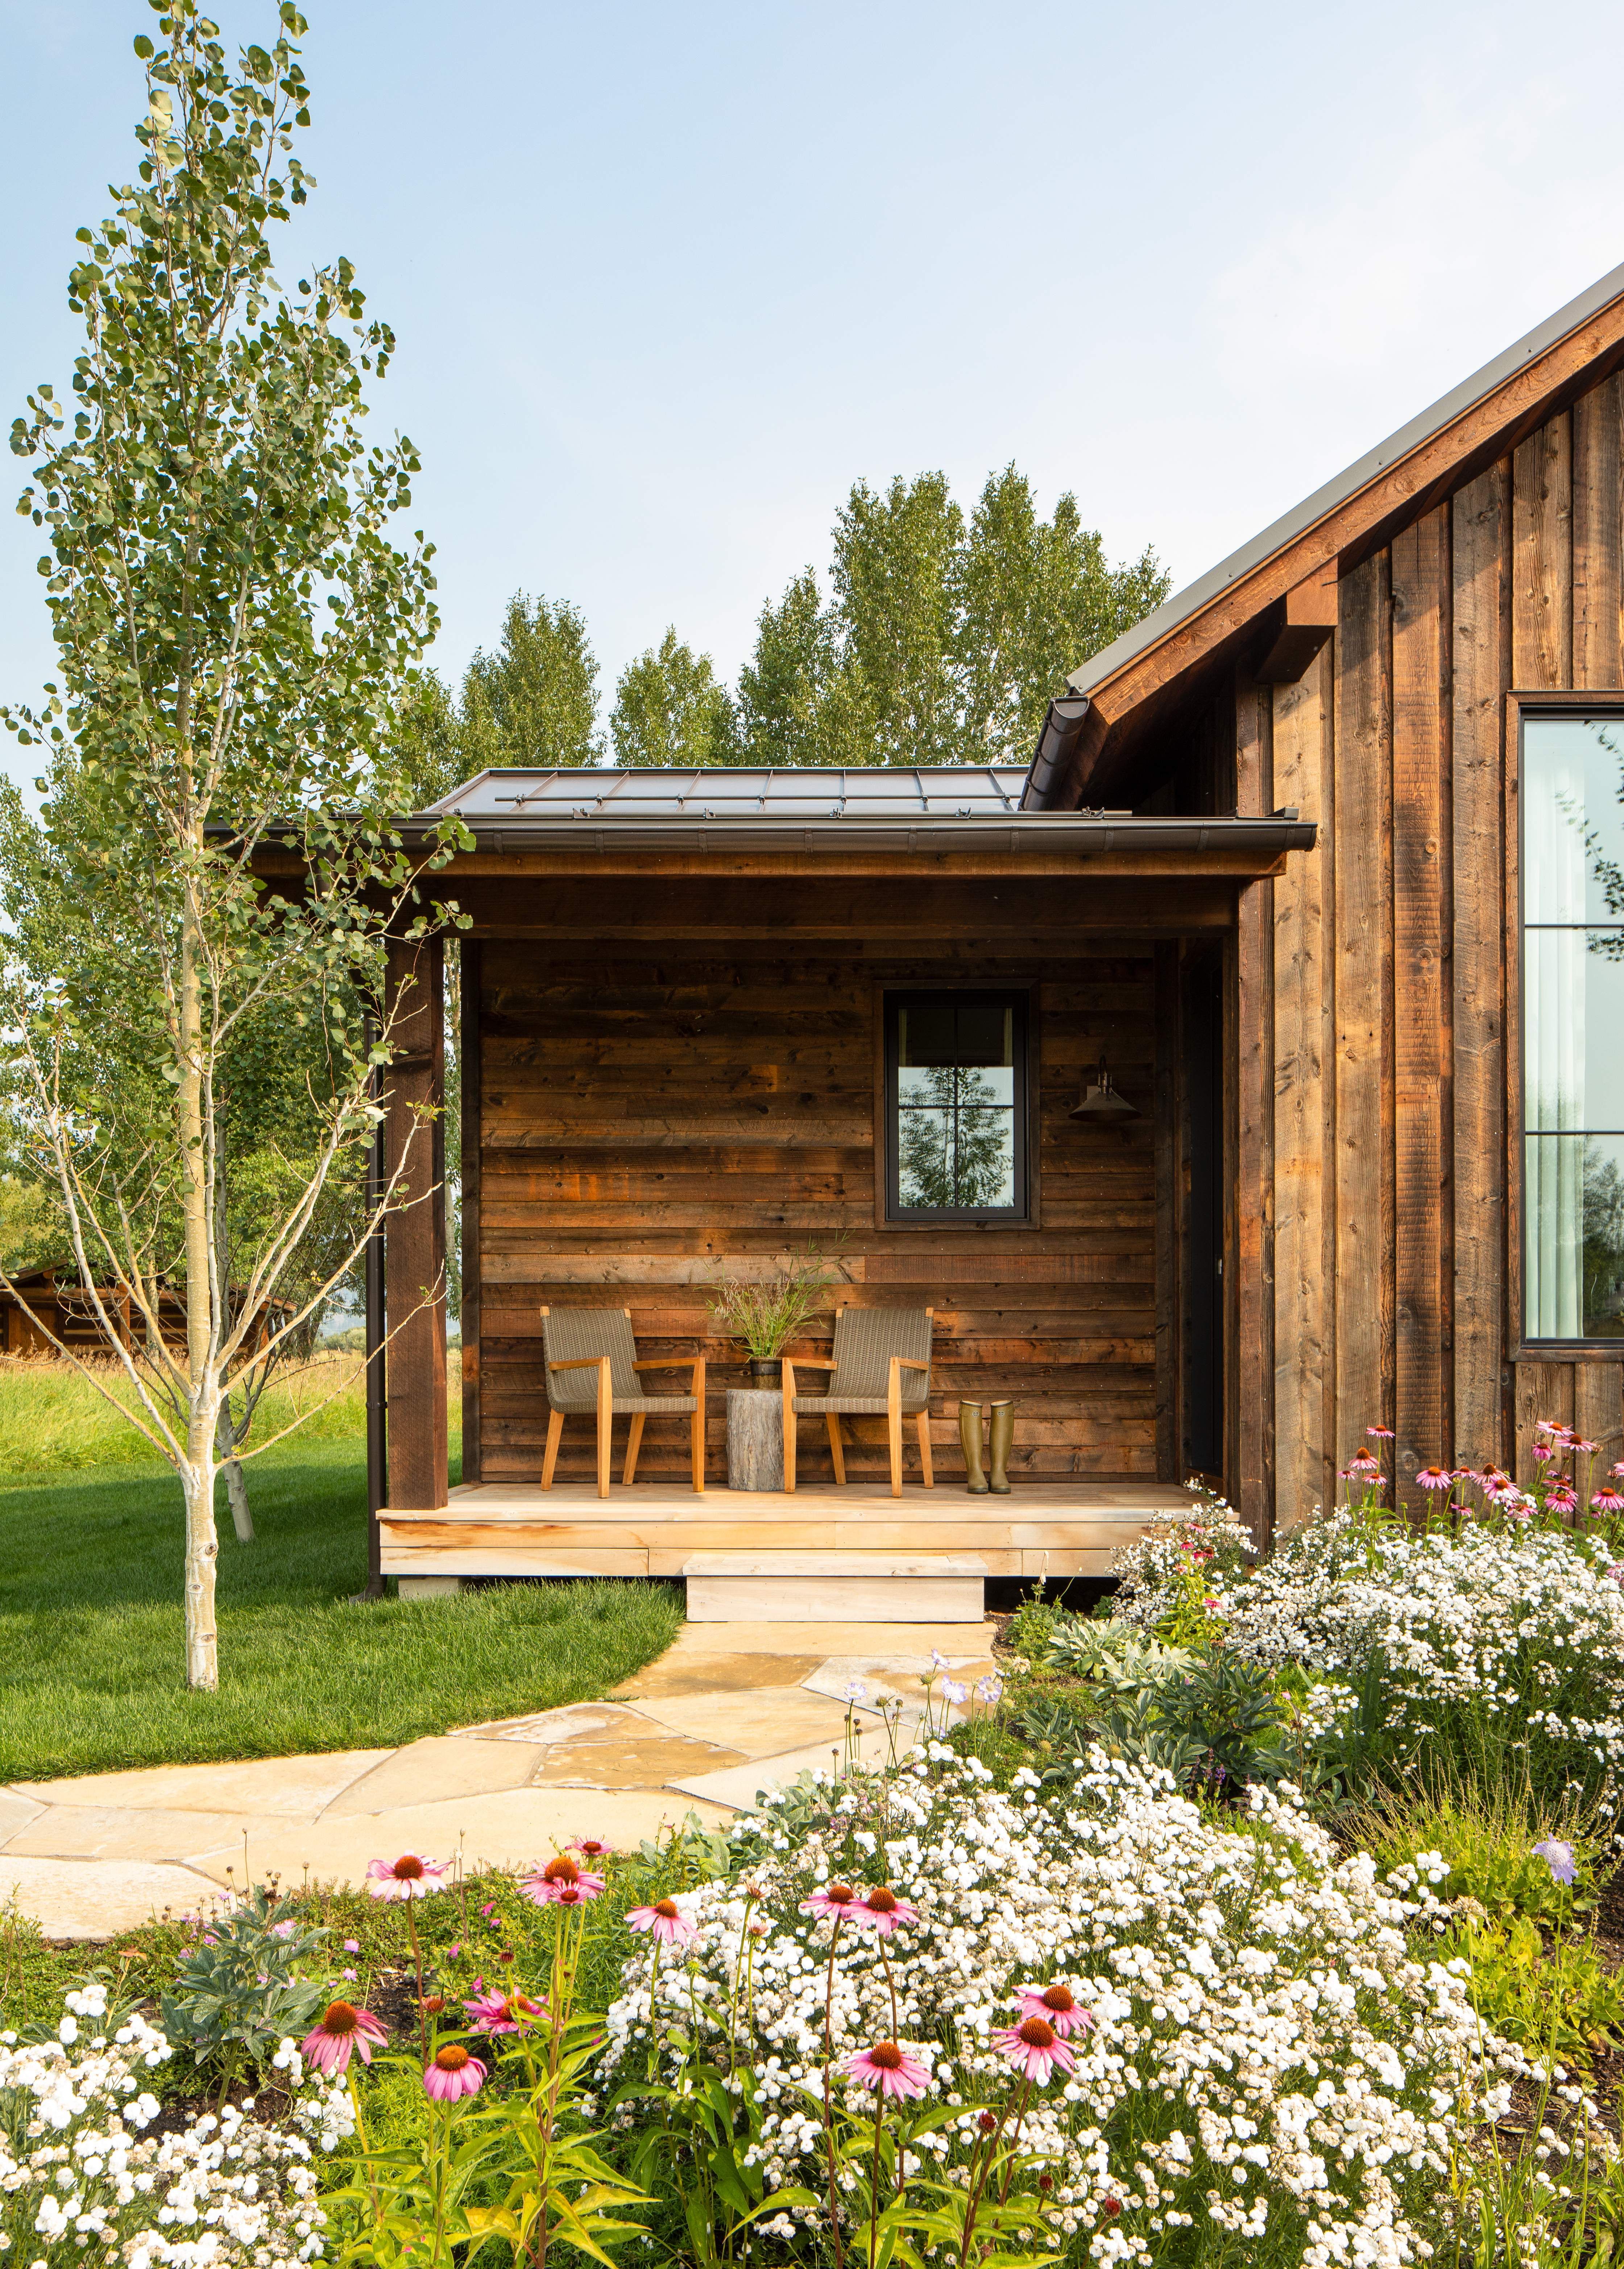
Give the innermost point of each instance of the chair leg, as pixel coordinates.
(695, 1431)
(924, 1464)
(893, 1427)
(789, 1446)
(634, 1443)
(835, 1450)
(554, 1427)
(606, 1425)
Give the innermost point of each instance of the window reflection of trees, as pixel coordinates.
(1604, 1244)
(955, 1145)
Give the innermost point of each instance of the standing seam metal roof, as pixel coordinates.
(763, 793)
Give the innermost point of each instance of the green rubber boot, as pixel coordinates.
(1001, 1431)
(970, 1436)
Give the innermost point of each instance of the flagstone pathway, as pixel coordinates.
(727, 1710)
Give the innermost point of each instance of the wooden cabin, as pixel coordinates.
(1319, 870)
(45, 1310)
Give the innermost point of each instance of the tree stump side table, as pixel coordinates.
(755, 1438)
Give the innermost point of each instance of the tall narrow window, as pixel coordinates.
(1573, 1026)
(956, 1106)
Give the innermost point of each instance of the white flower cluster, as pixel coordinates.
(1522, 1629)
(80, 2178)
(1150, 1568)
(1264, 2050)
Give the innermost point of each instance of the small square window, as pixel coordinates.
(956, 1074)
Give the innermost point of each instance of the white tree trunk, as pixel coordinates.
(236, 1488)
(202, 1548)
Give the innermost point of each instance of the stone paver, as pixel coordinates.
(727, 1710)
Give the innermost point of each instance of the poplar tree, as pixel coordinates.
(235, 630)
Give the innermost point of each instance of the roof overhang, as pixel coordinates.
(1245, 847)
(1092, 734)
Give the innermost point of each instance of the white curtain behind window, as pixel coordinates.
(1553, 1034)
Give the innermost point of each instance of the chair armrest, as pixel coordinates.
(579, 1362)
(909, 1363)
(667, 1363)
(811, 1363)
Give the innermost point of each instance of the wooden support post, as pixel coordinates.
(415, 1232)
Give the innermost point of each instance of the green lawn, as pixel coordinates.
(91, 1626)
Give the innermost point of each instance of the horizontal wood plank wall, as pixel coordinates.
(656, 1116)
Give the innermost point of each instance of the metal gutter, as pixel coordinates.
(1154, 627)
(1083, 834)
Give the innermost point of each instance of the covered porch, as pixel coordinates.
(690, 1011)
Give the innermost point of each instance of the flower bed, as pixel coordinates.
(1175, 2025)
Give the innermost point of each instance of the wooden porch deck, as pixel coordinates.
(507, 1528)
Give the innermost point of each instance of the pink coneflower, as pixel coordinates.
(1035, 2046)
(1606, 1500)
(561, 1883)
(342, 2028)
(1543, 1452)
(1380, 1433)
(1435, 1477)
(665, 1921)
(1617, 1471)
(502, 2013)
(1562, 1499)
(591, 1849)
(837, 1899)
(880, 1908)
(1362, 1462)
(409, 1877)
(1585, 1449)
(1057, 2006)
(886, 2066)
(453, 2073)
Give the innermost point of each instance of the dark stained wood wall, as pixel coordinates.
(652, 1114)
(1374, 1120)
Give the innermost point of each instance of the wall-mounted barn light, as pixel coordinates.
(1099, 1098)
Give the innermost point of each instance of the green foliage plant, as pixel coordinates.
(672, 709)
(232, 624)
(1487, 1833)
(765, 1312)
(1553, 1996)
(237, 1994)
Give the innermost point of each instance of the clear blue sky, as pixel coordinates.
(667, 279)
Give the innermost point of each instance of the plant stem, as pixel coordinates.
(829, 2110)
(416, 1956)
(873, 2186)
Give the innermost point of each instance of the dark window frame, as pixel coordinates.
(1020, 1215)
(1525, 1347)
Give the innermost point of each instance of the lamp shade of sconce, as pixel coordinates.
(1099, 1099)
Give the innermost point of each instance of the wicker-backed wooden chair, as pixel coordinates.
(592, 1368)
(881, 1368)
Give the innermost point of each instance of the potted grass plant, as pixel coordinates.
(766, 1316)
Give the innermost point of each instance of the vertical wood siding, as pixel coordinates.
(1387, 1167)
(651, 1118)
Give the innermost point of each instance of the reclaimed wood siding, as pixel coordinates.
(1375, 1200)
(655, 1115)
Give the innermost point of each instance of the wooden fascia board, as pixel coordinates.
(1361, 523)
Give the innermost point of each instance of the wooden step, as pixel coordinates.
(843, 1594)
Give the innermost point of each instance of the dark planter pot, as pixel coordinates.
(770, 1373)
